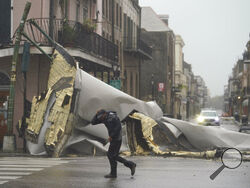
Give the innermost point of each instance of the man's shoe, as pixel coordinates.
(132, 168)
(110, 176)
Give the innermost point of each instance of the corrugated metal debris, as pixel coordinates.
(61, 86)
(60, 117)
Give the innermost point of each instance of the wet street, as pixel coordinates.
(230, 125)
(34, 172)
(89, 172)
(225, 123)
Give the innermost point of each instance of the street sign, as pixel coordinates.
(161, 87)
(116, 84)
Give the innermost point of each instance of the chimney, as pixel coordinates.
(164, 18)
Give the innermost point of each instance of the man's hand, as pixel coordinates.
(109, 139)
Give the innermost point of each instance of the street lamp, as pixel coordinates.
(115, 81)
(116, 71)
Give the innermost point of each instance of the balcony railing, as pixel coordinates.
(137, 46)
(145, 48)
(73, 34)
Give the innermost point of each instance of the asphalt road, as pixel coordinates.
(150, 172)
(87, 172)
(230, 125)
(226, 124)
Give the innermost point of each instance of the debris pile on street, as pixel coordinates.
(60, 117)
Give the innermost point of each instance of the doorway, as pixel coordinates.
(4, 94)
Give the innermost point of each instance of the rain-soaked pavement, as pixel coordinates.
(230, 125)
(150, 172)
(24, 172)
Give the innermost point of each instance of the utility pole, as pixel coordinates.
(9, 143)
(25, 66)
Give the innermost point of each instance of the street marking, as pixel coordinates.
(16, 173)
(2, 182)
(23, 166)
(28, 159)
(52, 163)
(30, 163)
(21, 169)
(9, 177)
(17, 167)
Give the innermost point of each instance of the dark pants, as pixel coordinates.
(113, 156)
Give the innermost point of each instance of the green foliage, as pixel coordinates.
(181, 86)
(69, 34)
(89, 26)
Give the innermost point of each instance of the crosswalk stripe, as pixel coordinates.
(23, 166)
(16, 173)
(9, 177)
(28, 159)
(21, 169)
(2, 182)
(17, 167)
(33, 162)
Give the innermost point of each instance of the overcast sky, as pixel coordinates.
(215, 33)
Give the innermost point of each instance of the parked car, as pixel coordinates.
(208, 117)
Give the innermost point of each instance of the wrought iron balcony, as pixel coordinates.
(73, 34)
(137, 46)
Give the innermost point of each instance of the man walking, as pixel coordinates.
(113, 124)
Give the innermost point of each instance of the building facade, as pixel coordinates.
(236, 93)
(158, 74)
(121, 23)
(74, 24)
(102, 35)
(180, 80)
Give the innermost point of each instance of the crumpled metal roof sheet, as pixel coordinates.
(60, 119)
(61, 84)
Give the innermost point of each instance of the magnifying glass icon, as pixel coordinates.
(231, 158)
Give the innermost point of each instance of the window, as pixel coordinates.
(64, 8)
(77, 10)
(133, 36)
(85, 9)
(129, 33)
(120, 17)
(117, 15)
(4, 79)
(110, 10)
(105, 77)
(125, 29)
(107, 9)
(103, 8)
